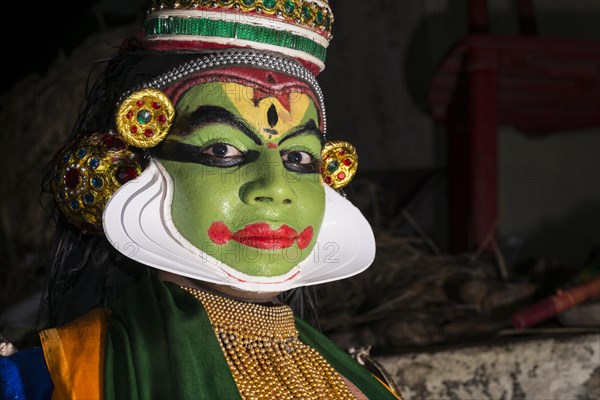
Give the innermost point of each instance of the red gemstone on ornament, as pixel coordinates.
(113, 143)
(327, 180)
(140, 103)
(125, 174)
(133, 129)
(149, 132)
(156, 105)
(341, 176)
(72, 178)
(162, 119)
(342, 153)
(347, 162)
(129, 114)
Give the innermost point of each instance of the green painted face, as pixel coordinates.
(247, 188)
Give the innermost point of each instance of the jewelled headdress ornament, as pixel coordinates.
(296, 28)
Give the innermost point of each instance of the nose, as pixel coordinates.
(270, 186)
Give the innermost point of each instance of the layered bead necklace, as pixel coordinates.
(265, 355)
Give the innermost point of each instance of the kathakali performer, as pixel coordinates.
(197, 186)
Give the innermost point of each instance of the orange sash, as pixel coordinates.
(74, 354)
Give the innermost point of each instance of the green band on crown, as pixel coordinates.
(228, 29)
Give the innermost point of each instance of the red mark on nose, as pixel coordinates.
(271, 146)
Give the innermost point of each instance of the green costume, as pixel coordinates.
(161, 345)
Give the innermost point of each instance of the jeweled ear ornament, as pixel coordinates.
(87, 173)
(144, 118)
(339, 162)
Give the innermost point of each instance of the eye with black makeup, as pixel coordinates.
(221, 155)
(300, 161)
(222, 150)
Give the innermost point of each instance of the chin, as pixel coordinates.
(263, 270)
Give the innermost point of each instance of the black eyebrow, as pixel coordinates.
(213, 115)
(308, 128)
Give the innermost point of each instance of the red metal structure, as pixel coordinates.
(535, 84)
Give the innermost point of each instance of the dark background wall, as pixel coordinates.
(382, 59)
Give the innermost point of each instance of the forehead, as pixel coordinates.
(266, 111)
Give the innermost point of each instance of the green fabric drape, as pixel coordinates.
(160, 345)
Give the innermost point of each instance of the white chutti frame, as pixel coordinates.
(137, 222)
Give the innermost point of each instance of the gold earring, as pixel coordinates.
(339, 162)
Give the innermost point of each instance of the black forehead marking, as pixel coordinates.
(272, 116)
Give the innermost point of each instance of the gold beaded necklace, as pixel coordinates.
(265, 356)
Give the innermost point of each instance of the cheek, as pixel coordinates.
(205, 195)
(311, 198)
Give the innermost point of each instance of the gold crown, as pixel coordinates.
(307, 13)
(297, 28)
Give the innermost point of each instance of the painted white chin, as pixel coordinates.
(137, 222)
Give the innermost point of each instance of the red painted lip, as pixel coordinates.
(261, 236)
